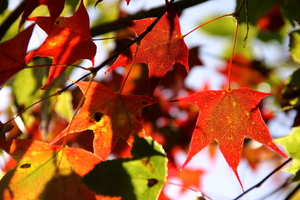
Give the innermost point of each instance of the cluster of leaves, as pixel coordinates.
(110, 119)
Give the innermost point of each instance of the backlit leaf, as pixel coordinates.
(159, 49)
(17, 46)
(227, 116)
(67, 37)
(110, 115)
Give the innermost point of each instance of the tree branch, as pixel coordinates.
(12, 18)
(261, 182)
(112, 26)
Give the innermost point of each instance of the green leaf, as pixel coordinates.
(295, 45)
(291, 144)
(221, 27)
(291, 10)
(64, 105)
(25, 87)
(141, 177)
(291, 90)
(256, 9)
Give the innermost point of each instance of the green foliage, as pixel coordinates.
(291, 10)
(255, 9)
(295, 45)
(3, 5)
(64, 105)
(140, 177)
(291, 90)
(222, 27)
(292, 145)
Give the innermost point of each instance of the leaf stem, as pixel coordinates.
(59, 65)
(227, 15)
(267, 177)
(131, 65)
(232, 53)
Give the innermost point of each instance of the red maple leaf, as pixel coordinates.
(227, 116)
(110, 115)
(12, 55)
(161, 48)
(55, 7)
(67, 37)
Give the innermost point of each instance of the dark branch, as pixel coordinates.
(266, 178)
(112, 26)
(12, 18)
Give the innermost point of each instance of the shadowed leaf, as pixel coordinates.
(141, 177)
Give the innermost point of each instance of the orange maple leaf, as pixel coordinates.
(227, 116)
(67, 37)
(12, 55)
(161, 48)
(46, 171)
(110, 115)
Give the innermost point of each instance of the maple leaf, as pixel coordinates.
(54, 7)
(67, 37)
(227, 116)
(110, 115)
(12, 55)
(46, 171)
(161, 48)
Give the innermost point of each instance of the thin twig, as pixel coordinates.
(267, 177)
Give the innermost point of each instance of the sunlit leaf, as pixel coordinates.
(291, 143)
(227, 116)
(46, 171)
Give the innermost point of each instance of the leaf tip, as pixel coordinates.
(238, 177)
